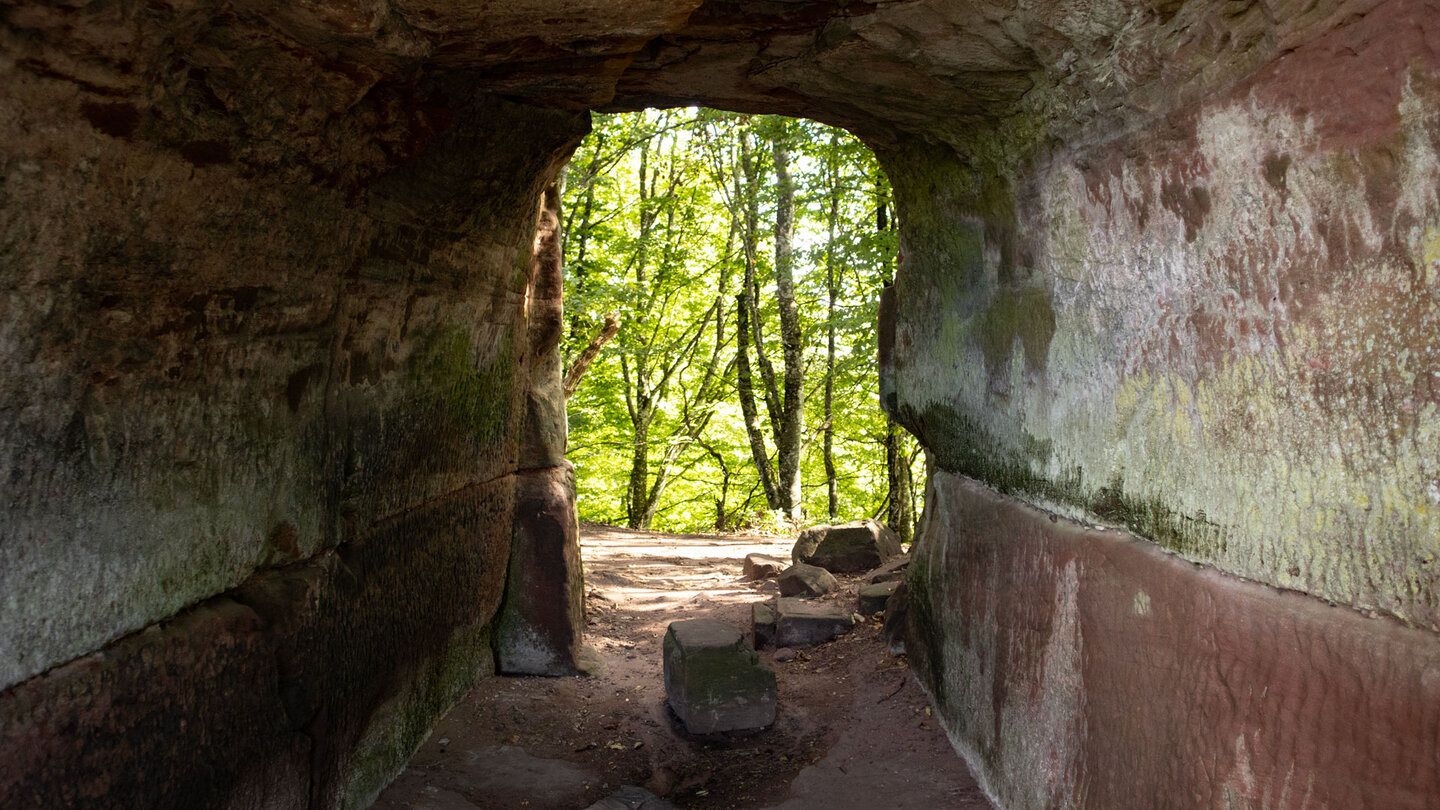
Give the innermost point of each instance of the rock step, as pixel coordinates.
(714, 680)
(804, 623)
(762, 624)
(873, 597)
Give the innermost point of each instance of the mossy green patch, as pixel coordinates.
(1027, 314)
(399, 726)
(475, 395)
(960, 444)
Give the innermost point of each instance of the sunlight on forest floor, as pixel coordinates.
(648, 573)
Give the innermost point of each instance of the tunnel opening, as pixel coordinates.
(276, 430)
(668, 219)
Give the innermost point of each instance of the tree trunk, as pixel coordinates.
(744, 387)
(900, 515)
(788, 430)
(747, 329)
(639, 468)
(832, 289)
(756, 333)
(591, 351)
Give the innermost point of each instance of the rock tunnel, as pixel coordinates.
(279, 409)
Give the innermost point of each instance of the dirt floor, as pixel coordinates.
(853, 729)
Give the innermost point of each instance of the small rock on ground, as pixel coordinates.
(806, 580)
(760, 566)
(892, 571)
(873, 597)
(632, 798)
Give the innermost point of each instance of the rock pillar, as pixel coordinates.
(541, 623)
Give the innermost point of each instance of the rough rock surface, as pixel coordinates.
(847, 548)
(286, 661)
(269, 303)
(1126, 646)
(1154, 329)
(759, 566)
(762, 624)
(805, 623)
(714, 680)
(873, 597)
(539, 629)
(897, 618)
(806, 580)
(891, 571)
(264, 341)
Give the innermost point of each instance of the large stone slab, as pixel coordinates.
(805, 623)
(309, 686)
(847, 548)
(714, 680)
(112, 730)
(1085, 668)
(806, 580)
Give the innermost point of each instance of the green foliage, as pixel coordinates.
(654, 210)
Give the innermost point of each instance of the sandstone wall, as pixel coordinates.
(1078, 667)
(262, 357)
(1216, 328)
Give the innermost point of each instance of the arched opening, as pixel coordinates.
(677, 227)
(669, 218)
(275, 428)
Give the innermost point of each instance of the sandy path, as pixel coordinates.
(853, 729)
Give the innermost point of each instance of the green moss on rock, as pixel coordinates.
(398, 728)
(476, 396)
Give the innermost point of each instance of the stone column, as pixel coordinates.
(543, 616)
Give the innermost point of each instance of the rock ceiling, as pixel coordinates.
(880, 67)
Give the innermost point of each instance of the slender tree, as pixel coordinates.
(787, 424)
(832, 293)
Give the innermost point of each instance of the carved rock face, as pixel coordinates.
(1170, 265)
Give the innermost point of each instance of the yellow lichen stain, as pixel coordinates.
(1430, 255)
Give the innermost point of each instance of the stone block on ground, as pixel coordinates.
(760, 566)
(803, 623)
(848, 548)
(874, 596)
(762, 624)
(891, 571)
(806, 580)
(714, 680)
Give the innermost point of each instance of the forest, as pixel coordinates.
(723, 273)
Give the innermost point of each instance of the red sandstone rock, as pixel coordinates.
(1142, 680)
(540, 628)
